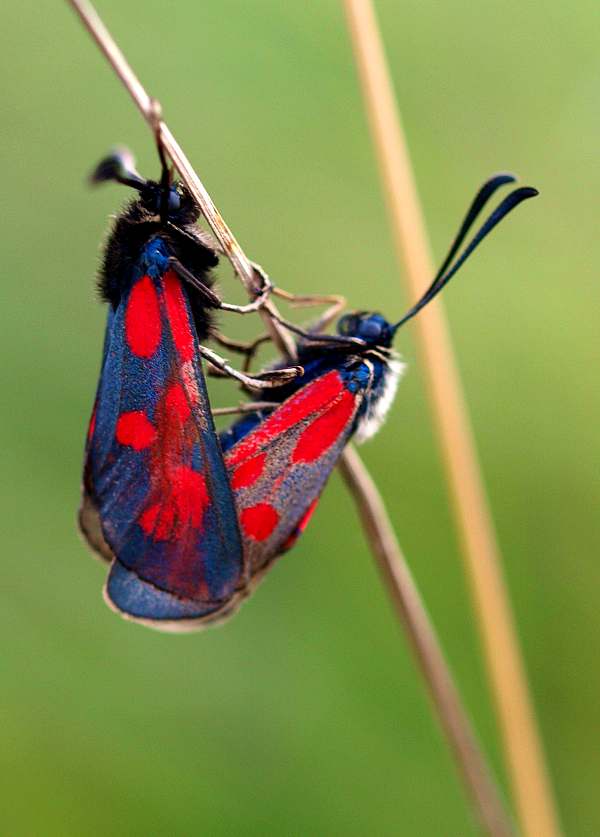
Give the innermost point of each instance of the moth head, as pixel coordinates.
(118, 166)
(369, 326)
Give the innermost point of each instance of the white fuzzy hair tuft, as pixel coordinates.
(379, 407)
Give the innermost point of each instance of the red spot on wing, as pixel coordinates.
(142, 319)
(149, 517)
(182, 506)
(324, 430)
(310, 399)
(248, 472)
(135, 429)
(92, 426)
(177, 403)
(304, 521)
(307, 516)
(178, 317)
(259, 521)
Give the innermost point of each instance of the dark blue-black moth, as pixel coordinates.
(156, 496)
(279, 460)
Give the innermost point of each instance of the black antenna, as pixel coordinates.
(165, 174)
(119, 166)
(444, 275)
(485, 192)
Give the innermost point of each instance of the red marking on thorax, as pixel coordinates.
(324, 430)
(178, 317)
(248, 472)
(142, 319)
(135, 429)
(310, 399)
(259, 521)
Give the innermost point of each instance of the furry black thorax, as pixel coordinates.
(134, 227)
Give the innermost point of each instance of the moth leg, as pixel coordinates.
(214, 299)
(314, 337)
(213, 372)
(166, 177)
(245, 407)
(265, 279)
(207, 238)
(155, 120)
(263, 292)
(250, 306)
(335, 302)
(239, 346)
(265, 380)
(247, 349)
(207, 293)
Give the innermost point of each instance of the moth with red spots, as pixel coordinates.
(156, 496)
(279, 461)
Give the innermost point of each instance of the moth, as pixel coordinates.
(157, 502)
(279, 460)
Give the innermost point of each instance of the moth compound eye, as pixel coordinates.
(369, 330)
(174, 202)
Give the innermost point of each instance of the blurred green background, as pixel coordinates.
(304, 714)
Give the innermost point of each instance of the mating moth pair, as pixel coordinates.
(190, 520)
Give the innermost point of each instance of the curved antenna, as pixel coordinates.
(118, 166)
(165, 176)
(486, 190)
(502, 210)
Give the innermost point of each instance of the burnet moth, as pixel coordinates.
(278, 462)
(157, 502)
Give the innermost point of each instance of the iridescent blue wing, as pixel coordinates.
(155, 484)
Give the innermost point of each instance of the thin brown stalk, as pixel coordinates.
(522, 745)
(377, 529)
(425, 645)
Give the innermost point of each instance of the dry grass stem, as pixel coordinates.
(425, 645)
(377, 530)
(522, 745)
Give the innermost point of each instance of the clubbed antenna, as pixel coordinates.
(118, 166)
(446, 271)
